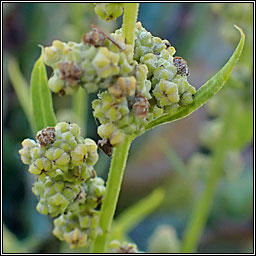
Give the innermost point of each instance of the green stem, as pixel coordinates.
(129, 22)
(120, 153)
(200, 214)
(113, 186)
(80, 108)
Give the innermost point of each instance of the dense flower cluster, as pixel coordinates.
(94, 63)
(67, 186)
(133, 90)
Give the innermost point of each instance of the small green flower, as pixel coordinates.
(109, 108)
(110, 132)
(166, 93)
(109, 11)
(95, 189)
(78, 230)
(54, 196)
(106, 63)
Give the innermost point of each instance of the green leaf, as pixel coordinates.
(21, 88)
(208, 90)
(43, 112)
(12, 245)
(131, 217)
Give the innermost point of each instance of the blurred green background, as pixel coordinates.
(177, 156)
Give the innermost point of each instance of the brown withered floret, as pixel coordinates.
(46, 136)
(141, 106)
(124, 86)
(62, 92)
(97, 37)
(181, 65)
(105, 146)
(71, 72)
(127, 249)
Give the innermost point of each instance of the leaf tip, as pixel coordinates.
(240, 30)
(42, 50)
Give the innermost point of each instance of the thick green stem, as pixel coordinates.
(113, 186)
(129, 22)
(200, 214)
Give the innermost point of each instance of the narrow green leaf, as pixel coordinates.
(21, 88)
(208, 90)
(41, 97)
(49, 116)
(131, 217)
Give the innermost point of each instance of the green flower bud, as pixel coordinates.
(27, 145)
(78, 230)
(92, 155)
(109, 11)
(95, 189)
(52, 197)
(109, 108)
(166, 93)
(52, 54)
(110, 132)
(106, 63)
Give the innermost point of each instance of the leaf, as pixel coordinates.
(12, 245)
(43, 112)
(131, 217)
(208, 90)
(21, 88)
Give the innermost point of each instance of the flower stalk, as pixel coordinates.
(109, 203)
(120, 154)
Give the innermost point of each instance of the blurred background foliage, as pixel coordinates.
(177, 157)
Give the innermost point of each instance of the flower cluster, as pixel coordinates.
(67, 186)
(117, 247)
(133, 90)
(156, 85)
(93, 63)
